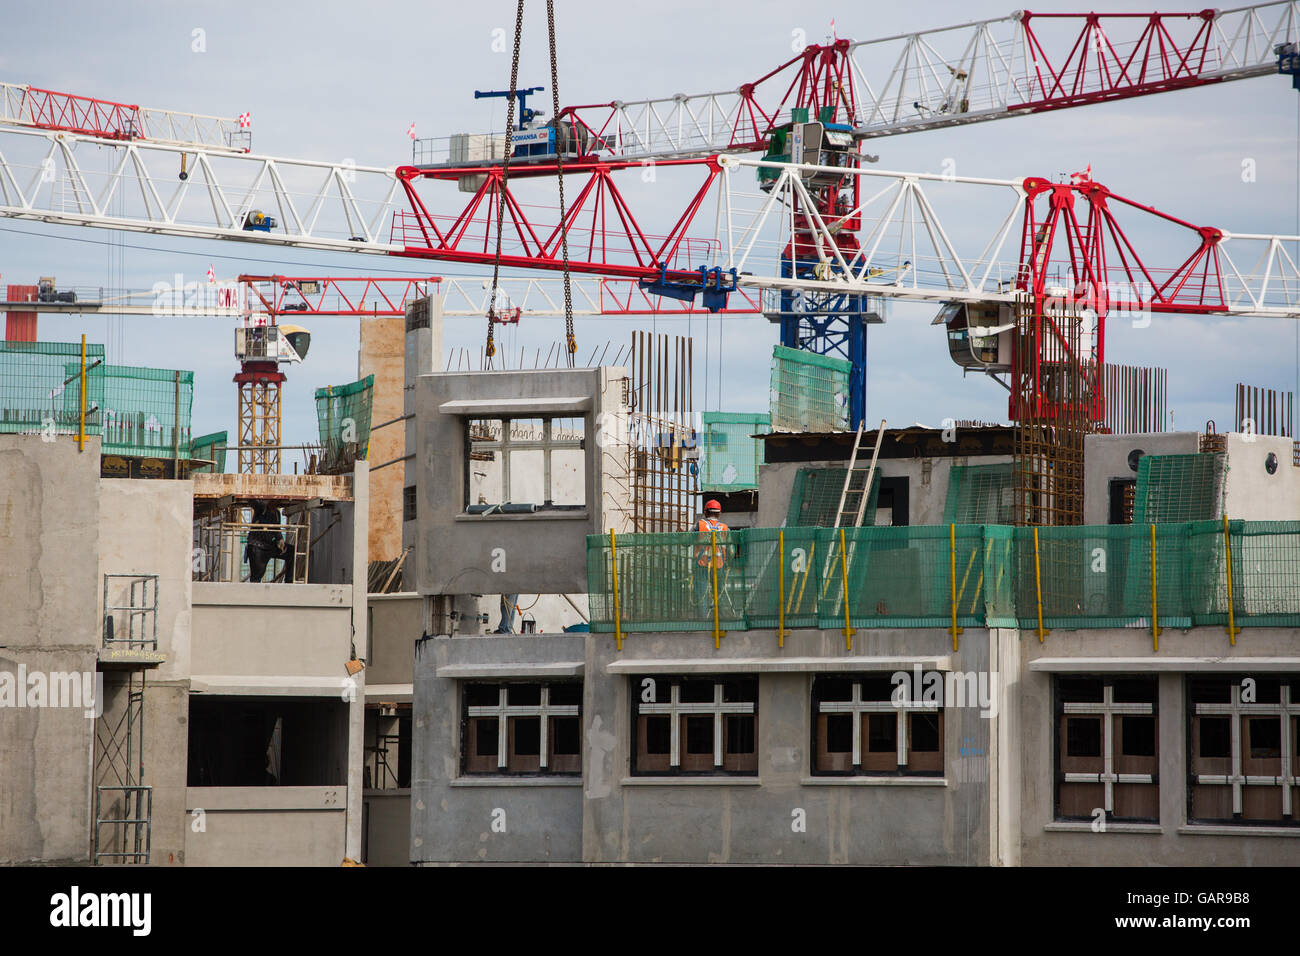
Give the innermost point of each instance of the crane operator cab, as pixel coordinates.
(281, 344)
(815, 143)
(565, 138)
(979, 334)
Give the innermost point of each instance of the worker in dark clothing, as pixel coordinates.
(263, 544)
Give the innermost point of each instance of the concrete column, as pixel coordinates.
(360, 603)
(1005, 759)
(1172, 748)
(381, 354)
(423, 354)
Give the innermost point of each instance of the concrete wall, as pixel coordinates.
(49, 537)
(927, 485)
(541, 552)
(272, 630)
(452, 816)
(267, 826)
(857, 820)
(388, 828)
(1251, 493)
(1202, 650)
(1106, 457)
(619, 818)
(332, 530)
(145, 527)
(394, 627)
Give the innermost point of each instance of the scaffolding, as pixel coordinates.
(123, 824)
(139, 613)
(222, 542)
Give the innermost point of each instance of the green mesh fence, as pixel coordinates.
(1086, 577)
(1178, 488)
(146, 412)
(815, 497)
(209, 448)
(343, 413)
(731, 456)
(980, 494)
(810, 393)
(40, 387)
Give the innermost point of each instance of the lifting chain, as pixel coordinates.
(570, 342)
(505, 180)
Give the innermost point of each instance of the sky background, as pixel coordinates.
(344, 80)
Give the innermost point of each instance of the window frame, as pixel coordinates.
(505, 444)
(861, 710)
(1109, 777)
(504, 711)
(744, 764)
(1237, 776)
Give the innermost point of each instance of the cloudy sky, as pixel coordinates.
(344, 80)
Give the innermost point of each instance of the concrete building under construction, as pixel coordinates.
(527, 650)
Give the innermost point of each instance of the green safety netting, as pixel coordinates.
(980, 494)
(209, 448)
(731, 455)
(343, 412)
(1086, 577)
(146, 412)
(810, 393)
(815, 497)
(1179, 488)
(40, 387)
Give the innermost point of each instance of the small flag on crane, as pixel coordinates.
(834, 35)
(245, 120)
(411, 131)
(212, 276)
(1079, 178)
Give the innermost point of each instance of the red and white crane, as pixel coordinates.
(869, 232)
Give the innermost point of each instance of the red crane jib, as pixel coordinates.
(105, 119)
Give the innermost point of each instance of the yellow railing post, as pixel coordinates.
(1233, 630)
(713, 568)
(844, 572)
(780, 588)
(81, 423)
(1155, 620)
(952, 579)
(1038, 590)
(613, 562)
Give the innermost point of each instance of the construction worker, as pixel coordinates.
(709, 557)
(263, 544)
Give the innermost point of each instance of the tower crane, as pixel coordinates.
(810, 224)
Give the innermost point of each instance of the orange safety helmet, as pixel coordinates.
(712, 505)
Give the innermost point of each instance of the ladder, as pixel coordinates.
(848, 503)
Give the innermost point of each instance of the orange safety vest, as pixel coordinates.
(707, 527)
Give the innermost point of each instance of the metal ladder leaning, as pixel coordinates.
(864, 492)
(846, 506)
